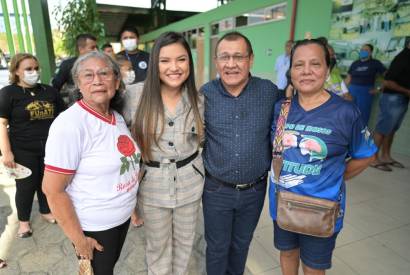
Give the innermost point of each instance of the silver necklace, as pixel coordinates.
(32, 93)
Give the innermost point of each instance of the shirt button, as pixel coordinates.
(236, 117)
(236, 155)
(236, 135)
(170, 143)
(236, 172)
(171, 123)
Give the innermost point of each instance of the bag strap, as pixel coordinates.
(277, 152)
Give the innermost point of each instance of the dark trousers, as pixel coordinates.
(25, 188)
(112, 240)
(230, 218)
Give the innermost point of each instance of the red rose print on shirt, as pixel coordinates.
(127, 148)
(125, 145)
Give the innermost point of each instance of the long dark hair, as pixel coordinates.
(150, 112)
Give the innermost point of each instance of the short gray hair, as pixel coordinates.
(97, 55)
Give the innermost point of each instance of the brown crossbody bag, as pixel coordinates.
(298, 213)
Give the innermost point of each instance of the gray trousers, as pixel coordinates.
(170, 234)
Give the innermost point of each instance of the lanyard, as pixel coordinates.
(128, 57)
(277, 152)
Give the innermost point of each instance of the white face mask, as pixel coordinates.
(129, 44)
(31, 77)
(129, 77)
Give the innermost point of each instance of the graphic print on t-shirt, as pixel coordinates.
(40, 110)
(311, 147)
(127, 148)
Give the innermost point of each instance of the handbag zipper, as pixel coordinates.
(301, 205)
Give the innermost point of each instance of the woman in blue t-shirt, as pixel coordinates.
(321, 131)
(361, 78)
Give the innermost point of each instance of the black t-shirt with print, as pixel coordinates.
(30, 113)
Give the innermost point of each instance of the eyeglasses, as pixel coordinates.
(103, 74)
(237, 58)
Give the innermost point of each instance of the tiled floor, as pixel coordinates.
(375, 239)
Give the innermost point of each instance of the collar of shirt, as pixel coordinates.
(225, 92)
(182, 106)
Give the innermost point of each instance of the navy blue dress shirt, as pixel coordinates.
(237, 145)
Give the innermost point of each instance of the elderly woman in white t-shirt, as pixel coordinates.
(92, 164)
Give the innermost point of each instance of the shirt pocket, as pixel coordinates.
(187, 134)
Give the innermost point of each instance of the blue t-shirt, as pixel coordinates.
(317, 143)
(364, 72)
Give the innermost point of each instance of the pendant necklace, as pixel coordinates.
(32, 93)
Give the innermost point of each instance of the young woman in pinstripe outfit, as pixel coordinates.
(168, 128)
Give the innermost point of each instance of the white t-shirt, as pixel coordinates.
(104, 162)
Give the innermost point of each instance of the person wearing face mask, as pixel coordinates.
(28, 108)
(361, 78)
(131, 88)
(139, 59)
(130, 97)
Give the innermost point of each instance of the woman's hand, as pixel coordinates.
(8, 160)
(85, 248)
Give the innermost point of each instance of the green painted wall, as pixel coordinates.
(313, 16)
(268, 40)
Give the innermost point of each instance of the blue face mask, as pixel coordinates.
(363, 54)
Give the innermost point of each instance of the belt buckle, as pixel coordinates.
(242, 186)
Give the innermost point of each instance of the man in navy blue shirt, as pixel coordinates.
(237, 154)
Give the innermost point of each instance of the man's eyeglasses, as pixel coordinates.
(103, 74)
(237, 58)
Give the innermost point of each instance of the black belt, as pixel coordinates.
(180, 163)
(240, 186)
